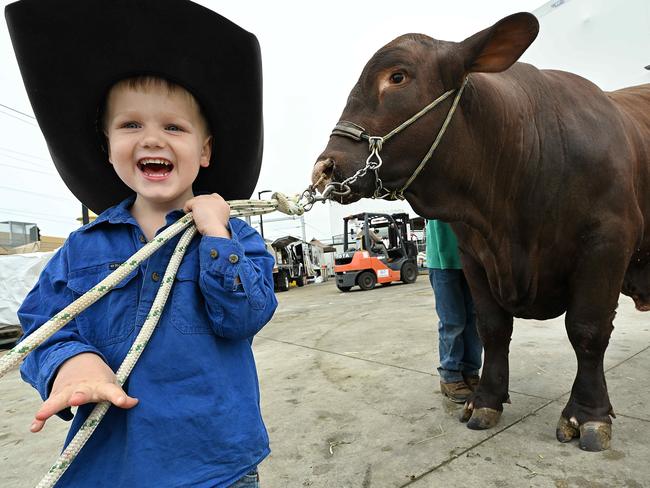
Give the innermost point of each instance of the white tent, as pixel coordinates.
(18, 275)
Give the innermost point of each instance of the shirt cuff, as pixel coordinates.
(56, 357)
(53, 362)
(222, 257)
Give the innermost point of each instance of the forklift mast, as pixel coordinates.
(396, 224)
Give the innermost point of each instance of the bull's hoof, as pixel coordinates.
(466, 412)
(567, 429)
(595, 436)
(483, 418)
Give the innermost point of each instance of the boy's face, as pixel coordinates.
(157, 142)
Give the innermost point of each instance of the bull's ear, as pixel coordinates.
(496, 48)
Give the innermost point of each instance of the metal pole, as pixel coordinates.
(282, 219)
(259, 197)
(302, 225)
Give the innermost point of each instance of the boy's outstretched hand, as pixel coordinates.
(84, 378)
(211, 214)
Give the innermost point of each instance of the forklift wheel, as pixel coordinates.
(344, 288)
(409, 272)
(367, 280)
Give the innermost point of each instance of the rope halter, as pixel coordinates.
(345, 128)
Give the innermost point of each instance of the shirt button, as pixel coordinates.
(142, 239)
(233, 258)
(214, 254)
(155, 276)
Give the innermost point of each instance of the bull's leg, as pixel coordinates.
(592, 306)
(587, 414)
(483, 409)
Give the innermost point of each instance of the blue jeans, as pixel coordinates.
(458, 341)
(250, 480)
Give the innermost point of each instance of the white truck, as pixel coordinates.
(293, 262)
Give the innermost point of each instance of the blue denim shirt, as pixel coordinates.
(198, 422)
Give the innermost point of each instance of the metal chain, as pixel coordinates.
(339, 189)
(373, 163)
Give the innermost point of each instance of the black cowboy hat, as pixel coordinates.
(70, 52)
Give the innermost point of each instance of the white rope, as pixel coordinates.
(97, 414)
(16, 355)
(238, 208)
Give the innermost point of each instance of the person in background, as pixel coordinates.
(458, 341)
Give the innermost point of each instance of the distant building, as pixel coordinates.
(25, 237)
(14, 233)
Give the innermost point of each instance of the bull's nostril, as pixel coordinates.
(322, 173)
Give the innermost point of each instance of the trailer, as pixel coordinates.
(293, 262)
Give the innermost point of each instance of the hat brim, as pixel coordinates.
(70, 53)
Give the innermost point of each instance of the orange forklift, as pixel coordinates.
(376, 249)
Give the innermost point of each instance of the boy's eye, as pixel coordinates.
(173, 128)
(130, 125)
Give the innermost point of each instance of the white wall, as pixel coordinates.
(607, 42)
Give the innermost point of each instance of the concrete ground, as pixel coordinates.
(350, 397)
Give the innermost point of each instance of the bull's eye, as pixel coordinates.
(397, 77)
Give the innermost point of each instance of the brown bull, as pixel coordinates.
(544, 177)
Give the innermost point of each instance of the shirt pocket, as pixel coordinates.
(111, 319)
(189, 312)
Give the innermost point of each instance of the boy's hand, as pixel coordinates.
(84, 378)
(211, 214)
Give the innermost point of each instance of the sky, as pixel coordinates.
(312, 52)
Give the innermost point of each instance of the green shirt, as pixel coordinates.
(442, 246)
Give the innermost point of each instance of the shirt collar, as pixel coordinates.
(121, 214)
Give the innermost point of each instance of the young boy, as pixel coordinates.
(189, 414)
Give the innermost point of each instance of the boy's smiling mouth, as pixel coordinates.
(155, 168)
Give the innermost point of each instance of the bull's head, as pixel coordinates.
(400, 80)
